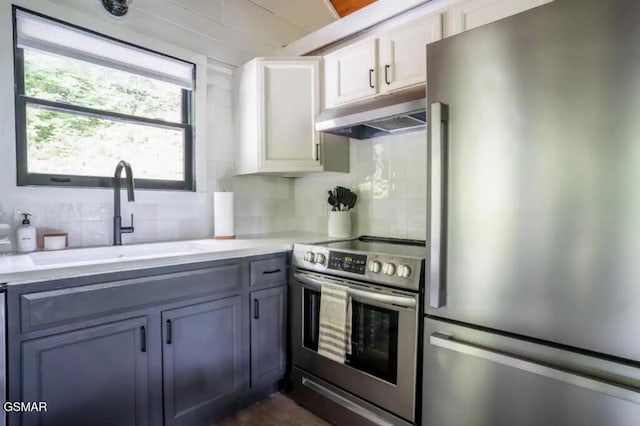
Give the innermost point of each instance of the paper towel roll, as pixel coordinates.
(223, 225)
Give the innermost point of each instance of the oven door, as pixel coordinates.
(381, 368)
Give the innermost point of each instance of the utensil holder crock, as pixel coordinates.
(339, 224)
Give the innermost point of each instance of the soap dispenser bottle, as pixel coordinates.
(26, 235)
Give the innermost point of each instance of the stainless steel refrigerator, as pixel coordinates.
(533, 299)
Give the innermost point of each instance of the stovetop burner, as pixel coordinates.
(380, 245)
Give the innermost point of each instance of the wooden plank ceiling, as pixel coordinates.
(345, 7)
(229, 31)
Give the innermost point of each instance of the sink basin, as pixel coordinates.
(114, 253)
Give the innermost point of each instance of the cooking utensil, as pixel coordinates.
(333, 200)
(341, 199)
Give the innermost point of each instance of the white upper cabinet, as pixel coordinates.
(350, 73)
(277, 101)
(393, 61)
(468, 14)
(289, 97)
(403, 59)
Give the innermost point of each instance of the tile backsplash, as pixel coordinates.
(390, 177)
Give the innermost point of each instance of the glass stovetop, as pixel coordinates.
(389, 246)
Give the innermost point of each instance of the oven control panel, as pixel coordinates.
(347, 262)
(396, 271)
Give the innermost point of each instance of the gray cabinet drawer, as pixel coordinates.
(51, 308)
(269, 272)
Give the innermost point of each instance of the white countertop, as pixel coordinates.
(39, 266)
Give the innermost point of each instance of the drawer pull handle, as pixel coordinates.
(272, 271)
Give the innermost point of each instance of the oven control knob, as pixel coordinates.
(309, 256)
(389, 268)
(404, 271)
(320, 258)
(375, 266)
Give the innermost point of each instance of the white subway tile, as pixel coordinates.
(96, 233)
(389, 176)
(219, 96)
(95, 211)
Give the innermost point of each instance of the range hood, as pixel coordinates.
(387, 115)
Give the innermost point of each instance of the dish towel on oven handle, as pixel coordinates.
(335, 322)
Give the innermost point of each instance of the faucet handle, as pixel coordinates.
(127, 229)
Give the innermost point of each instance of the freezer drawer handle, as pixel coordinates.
(344, 402)
(448, 342)
(438, 205)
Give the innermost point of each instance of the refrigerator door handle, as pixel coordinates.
(448, 342)
(438, 205)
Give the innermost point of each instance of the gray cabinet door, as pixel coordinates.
(201, 360)
(98, 376)
(268, 313)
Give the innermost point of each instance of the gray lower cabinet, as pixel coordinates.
(179, 345)
(202, 357)
(97, 375)
(268, 340)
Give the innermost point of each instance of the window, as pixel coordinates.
(86, 101)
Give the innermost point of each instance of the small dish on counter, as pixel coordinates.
(54, 241)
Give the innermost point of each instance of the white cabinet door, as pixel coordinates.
(403, 56)
(350, 73)
(469, 14)
(289, 101)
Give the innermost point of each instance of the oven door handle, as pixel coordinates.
(397, 300)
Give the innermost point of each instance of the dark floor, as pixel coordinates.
(277, 410)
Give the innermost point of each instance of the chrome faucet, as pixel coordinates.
(118, 229)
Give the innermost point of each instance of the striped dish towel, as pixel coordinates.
(335, 322)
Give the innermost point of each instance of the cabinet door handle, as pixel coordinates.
(371, 70)
(317, 152)
(169, 332)
(386, 74)
(143, 338)
(256, 309)
(273, 271)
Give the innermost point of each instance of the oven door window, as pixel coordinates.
(374, 341)
(374, 336)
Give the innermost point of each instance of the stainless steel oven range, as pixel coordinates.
(376, 384)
